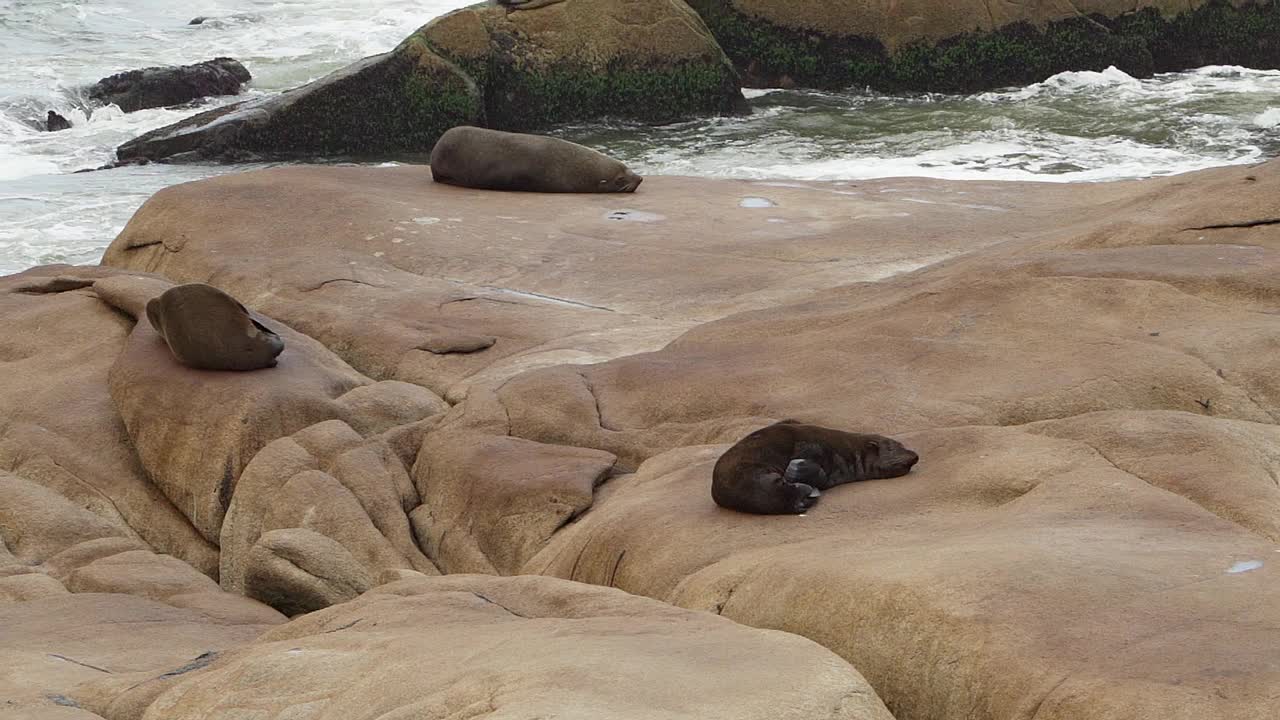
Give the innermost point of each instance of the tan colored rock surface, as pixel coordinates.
(1087, 372)
(195, 430)
(519, 647)
(53, 645)
(1012, 575)
(1044, 328)
(316, 517)
(60, 429)
(555, 279)
(490, 502)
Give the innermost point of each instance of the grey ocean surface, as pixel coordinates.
(1074, 127)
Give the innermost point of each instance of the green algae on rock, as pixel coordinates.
(400, 101)
(653, 61)
(967, 49)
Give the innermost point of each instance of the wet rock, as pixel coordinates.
(170, 85)
(55, 122)
(576, 60)
(973, 45)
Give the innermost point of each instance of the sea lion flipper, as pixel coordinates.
(804, 470)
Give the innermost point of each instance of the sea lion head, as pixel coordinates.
(888, 458)
(623, 182)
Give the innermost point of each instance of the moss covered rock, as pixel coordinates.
(651, 60)
(400, 101)
(969, 45)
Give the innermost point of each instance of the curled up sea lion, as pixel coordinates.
(783, 468)
(208, 329)
(494, 160)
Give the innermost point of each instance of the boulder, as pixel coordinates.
(55, 122)
(526, 647)
(974, 45)
(60, 430)
(170, 85)
(490, 502)
(396, 102)
(317, 517)
(196, 430)
(575, 60)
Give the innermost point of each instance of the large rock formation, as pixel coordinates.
(978, 44)
(1087, 371)
(575, 60)
(519, 647)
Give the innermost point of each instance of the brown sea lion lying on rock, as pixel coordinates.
(494, 160)
(208, 329)
(783, 468)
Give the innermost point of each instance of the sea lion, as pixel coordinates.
(783, 468)
(494, 160)
(208, 329)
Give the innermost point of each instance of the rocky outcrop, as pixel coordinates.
(527, 647)
(574, 280)
(54, 122)
(170, 85)
(1087, 372)
(61, 431)
(975, 44)
(575, 60)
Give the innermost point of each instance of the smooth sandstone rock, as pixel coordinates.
(490, 502)
(1011, 574)
(61, 430)
(53, 645)
(180, 419)
(519, 647)
(550, 292)
(317, 517)
(1087, 375)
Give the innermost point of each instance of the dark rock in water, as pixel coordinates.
(401, 101)
(55, 122)
(198, 20)
(115, 164)
(481, 66)
(173, 85)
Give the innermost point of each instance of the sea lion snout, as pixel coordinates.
(896, 459)
(629, 182)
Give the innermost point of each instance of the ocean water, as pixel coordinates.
(1074, 127)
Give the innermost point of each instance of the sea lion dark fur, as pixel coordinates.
(494, 160)
(208, 329)
(783, 468)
